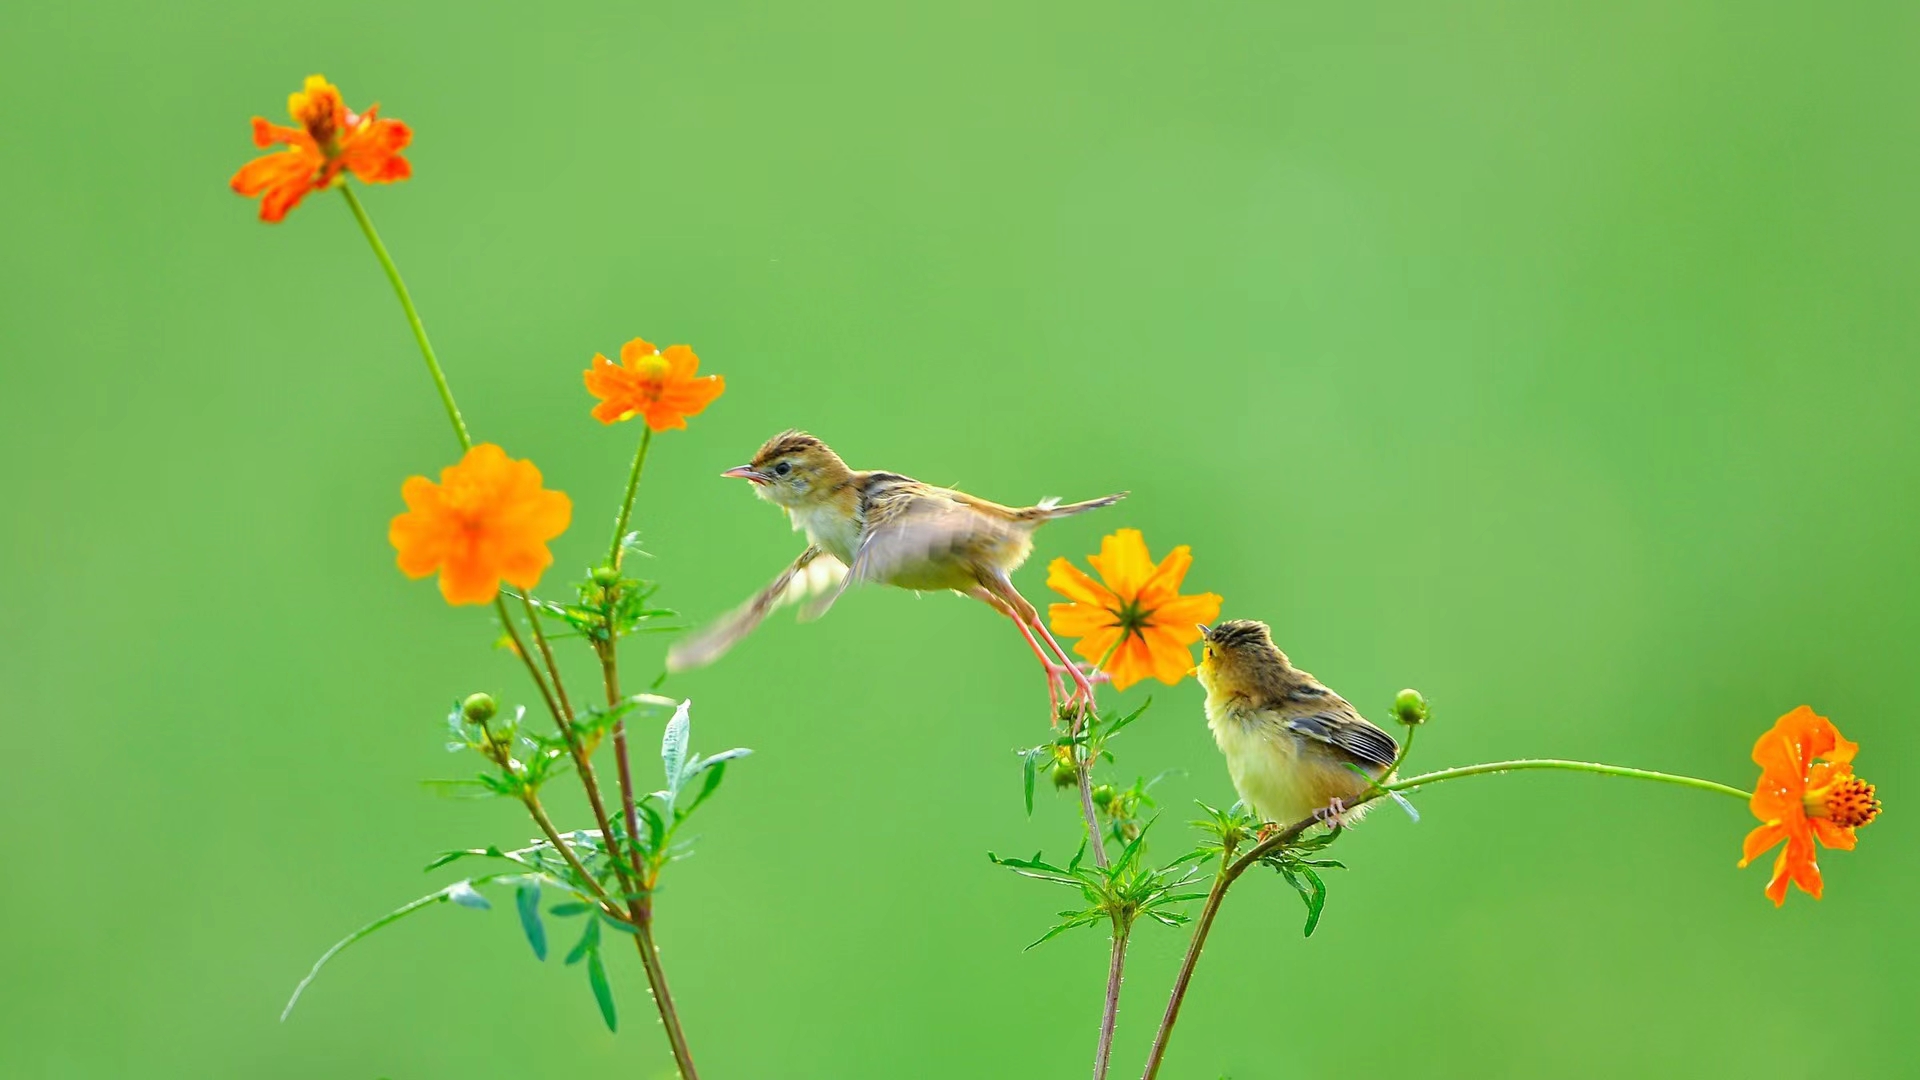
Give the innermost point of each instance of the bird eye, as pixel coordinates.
(783, 468)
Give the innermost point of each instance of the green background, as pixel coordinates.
(1556, 362)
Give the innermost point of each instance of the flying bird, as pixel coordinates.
(882, 527)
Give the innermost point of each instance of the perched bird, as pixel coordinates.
(1289, 740)
(887, 528)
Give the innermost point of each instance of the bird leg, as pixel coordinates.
(1056, 685)
(1330, 814)
(1002, 587)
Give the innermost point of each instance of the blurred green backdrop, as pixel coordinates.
(1559, 363)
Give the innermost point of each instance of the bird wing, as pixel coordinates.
(813, 572)
(909, 524)
(1347, 731)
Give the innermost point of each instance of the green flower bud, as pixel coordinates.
(1409, 707)
(1064, 777)
(478, 708)
(1103, 795)
(606, 577)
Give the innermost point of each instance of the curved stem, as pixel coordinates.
(626, 504)
(413, 316)
(1520, 764)
(1229, 873)
(1115, 965)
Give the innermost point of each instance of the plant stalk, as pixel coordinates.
(1229, 873)
(617, 550)
(1116, 964)
(413, 316)
(662, 997)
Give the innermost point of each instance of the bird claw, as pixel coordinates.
(1331, 814)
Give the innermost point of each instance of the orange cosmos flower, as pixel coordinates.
(1134, 619)
(1806, 790)
(488, 518)
(328, 140)
(649, 383)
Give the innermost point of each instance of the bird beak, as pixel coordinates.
(1205, 630)
(745, 472)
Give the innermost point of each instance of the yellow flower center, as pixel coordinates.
(1848, 802)
(314, 108)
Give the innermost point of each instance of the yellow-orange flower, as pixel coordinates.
(1133, 620)
(487, 519)
(660, 386)
(329, 139)
(1806, 791)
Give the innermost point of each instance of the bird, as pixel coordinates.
(890, 529)
(1292, 745)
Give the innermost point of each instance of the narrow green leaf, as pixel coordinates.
(1029, 767)
(673, 746)
(1315, 902)
(616, 924)
(527, 899)
(709, 783)
(569, 909)
(602, 993)
(589, 941)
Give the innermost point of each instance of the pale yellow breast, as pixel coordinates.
(828, 529)
(1279, 775)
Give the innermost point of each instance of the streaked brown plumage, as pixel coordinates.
(1289, 740)
(874, 526)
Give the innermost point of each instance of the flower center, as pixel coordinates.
(1848, 802)
(1132, 618)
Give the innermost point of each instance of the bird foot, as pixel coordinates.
(1331, 814)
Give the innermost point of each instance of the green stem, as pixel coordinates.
(662, 997)
(626, 504)
(1570, 766)
(1229, 873)
(1110, 1012)
(413, 316)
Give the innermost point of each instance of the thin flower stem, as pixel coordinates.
(662, 997)
(629, 812)
(1094, 835)
(1116, 964)
(539, 813)
(1229, 873)
(582, 764)
(1088, 717)
(618, 549)
(413, 316)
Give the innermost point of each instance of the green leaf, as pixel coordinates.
(602, 993)
(464, 894)
(708, 786)
(527, 899)
(616, 924)
(656, 828)
(1315, 902)
(589, 942)
(569, 909)
(1114, 729)
(1029, 766)
(673, 746)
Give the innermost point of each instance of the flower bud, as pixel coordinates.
(1103, 795)
(606, 577)
(478, 708)
(1409, 707)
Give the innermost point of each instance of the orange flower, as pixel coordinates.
(1134, 621)
(488, 518)
(647, 382)
(328, 140)
(1806, 790)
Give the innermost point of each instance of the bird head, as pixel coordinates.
(1238, 656)
(793, 469)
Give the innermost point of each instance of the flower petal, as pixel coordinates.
(634, 351)
(1079, 620)
(1836, 837)
(1123, 563)
(1074, 583)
